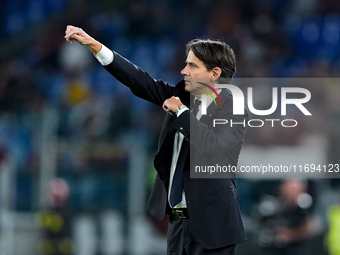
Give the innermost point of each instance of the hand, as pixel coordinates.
(170, 105)
(77, 34)
(285, 235)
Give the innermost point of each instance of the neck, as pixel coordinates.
(196, 94)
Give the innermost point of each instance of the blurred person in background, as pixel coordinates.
(295, 224)
(204, 213)
(288, 219)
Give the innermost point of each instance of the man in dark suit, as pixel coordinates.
(204, 212)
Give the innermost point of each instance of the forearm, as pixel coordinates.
(140, 82)
(94, 46)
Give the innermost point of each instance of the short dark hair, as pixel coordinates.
(214, 54)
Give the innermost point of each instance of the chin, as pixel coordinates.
(187, 87)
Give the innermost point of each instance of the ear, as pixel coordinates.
(216, 73)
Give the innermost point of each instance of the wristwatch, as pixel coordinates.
(182, 106)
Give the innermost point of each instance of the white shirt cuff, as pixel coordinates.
(181, 111)
(105, 56)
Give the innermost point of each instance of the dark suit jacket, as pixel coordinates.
(212, 203)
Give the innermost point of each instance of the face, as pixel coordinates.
(195, 68)
(291, 189)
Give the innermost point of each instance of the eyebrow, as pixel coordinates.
(192, 63)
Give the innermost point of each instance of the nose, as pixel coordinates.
(185, 71)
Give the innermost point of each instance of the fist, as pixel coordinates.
(170, 105)
(77, 34)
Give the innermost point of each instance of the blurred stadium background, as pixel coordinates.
(76, 147)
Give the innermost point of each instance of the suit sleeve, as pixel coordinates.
(140, 82)
(209, 140)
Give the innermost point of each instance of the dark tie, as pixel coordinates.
(197, 104)
(177, 181)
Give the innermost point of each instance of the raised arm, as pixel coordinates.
(139, 81)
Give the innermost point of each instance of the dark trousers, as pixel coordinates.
(182, 241)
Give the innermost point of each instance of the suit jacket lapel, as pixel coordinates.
(169, 119)
(166, 140)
